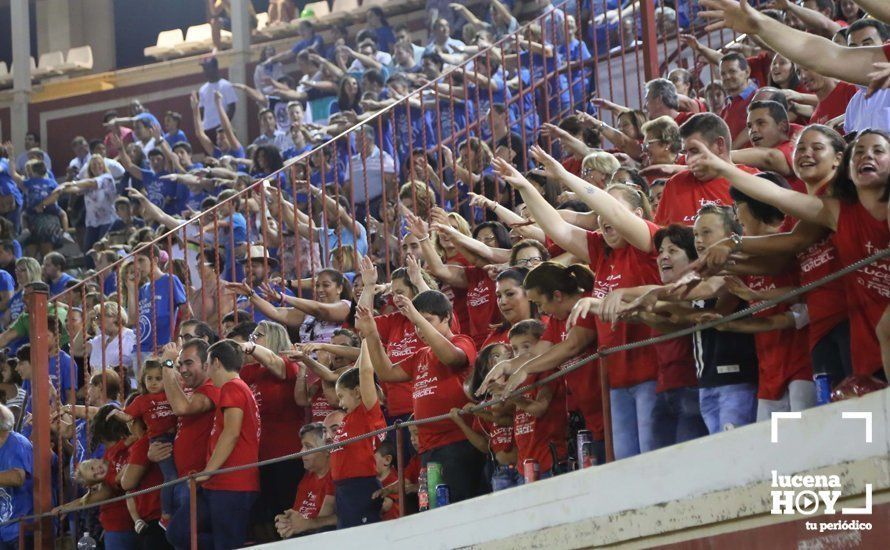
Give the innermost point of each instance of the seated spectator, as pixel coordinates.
(313, 510)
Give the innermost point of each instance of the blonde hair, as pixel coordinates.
(277, 339)
(111, 308)
(463, 226)
(345, 255)
(634, 196)
(602, 162)
(32, 269)
(665, 129)
(423, 196)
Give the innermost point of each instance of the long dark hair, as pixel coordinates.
(517, 275)
(338, 279)
(844, 188)
(107, 430)
(551, 277)
(273, 159)
(343, 100)
(501, 234)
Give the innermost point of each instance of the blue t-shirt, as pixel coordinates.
(155, 188)
(7, 184)
(386, 39)
(525, 109)
(57, 287)
(81, 445)
(36, 191)
(236, 153)
(61, 376)
(148, 117)
(7, 283)
(345, 237)
(155, 319)
(316, 43)
(230, 239)
(174, 138)
(580, 76)
(16, 306)
(15, 502)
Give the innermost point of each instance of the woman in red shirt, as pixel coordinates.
(513, 303)
(103, 479)
(622, 254)
(272, 379)
(858, 219)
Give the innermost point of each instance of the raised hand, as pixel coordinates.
(582, 309)
(732, 14)
(364, 321)
(368, 271)
(879, 78)
(704, 159)
(550, 166)
(415, 273)
(417, 226)
(405, 306)
(242, 289)
(510, 174)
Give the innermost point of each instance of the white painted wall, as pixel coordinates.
(744, 457)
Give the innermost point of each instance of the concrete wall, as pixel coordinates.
(698, 489)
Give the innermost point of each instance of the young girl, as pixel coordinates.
(353, 467)
(153, 413)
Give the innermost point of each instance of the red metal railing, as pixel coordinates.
(272, 203)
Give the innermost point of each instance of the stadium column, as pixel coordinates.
(240, 59)
(21, 66)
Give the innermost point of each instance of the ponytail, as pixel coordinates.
(551, 277)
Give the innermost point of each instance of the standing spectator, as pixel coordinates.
(16, 462)
(10, 195)
(438, 372)
(153, 305)
(193, 398)
(54, 274)
(272, 379)
(99, 195)
(215, 83)
(735, 74)
(371, 171)
(226, 499)
(173, 133)
(114, 343)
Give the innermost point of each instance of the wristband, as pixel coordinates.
(735, 242)
(424, 239)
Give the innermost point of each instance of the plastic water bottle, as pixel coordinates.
(86, 542)
(423, 494)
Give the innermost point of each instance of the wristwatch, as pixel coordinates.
(168, 364)
(735, 241)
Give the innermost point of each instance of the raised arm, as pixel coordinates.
(811, 19)
(125, 159)
(452, 275)
(257, 96)
(621, 140)
(367, 387)
(205, 141)
(710, 55)
(566, 235)
(808, 50)
(798, 205)
(447, 353)
(367, 327)
(611, 211)
(225, 123)
(267, 358)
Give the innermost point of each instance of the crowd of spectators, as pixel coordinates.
(469, 239)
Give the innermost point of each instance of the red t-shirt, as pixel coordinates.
(624, 268)
(458, 296)
(399, 338)
(319, 406)
(280, 416)
(573, 165)
(154, 410)
(534, 436)
(393, 512)
(782, 355)
(858, 236)
(887, 50)
(676, 366)
(684, 195)
(193, 433)
(827, 304)
(583, 389)
(115, 517)
(552, 248)
(412, 469)
(760, 67)
(236, 394)
(735, 113)
(682, 117)
(499, 335)
(356, 459)
(481, 304)
(438, 389)
(835, 104)
(311, 493)
(500, 438)
(787, 150)
(148, 505)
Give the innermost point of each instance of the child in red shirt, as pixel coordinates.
(384, 457)
(353, 468)
(150, 411)
(313, 510)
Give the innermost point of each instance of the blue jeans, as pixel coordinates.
(728, 407)
(633, 425)
(120, 540)
(505, 477)
(223, 518)
(677, 417)
(168, 468)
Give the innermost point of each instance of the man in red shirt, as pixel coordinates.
(225, 500)
(662, 100)
(735, 74)
(313, 509)
(686, 192)
(768, 129)
(193, 398)
(438, 371)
